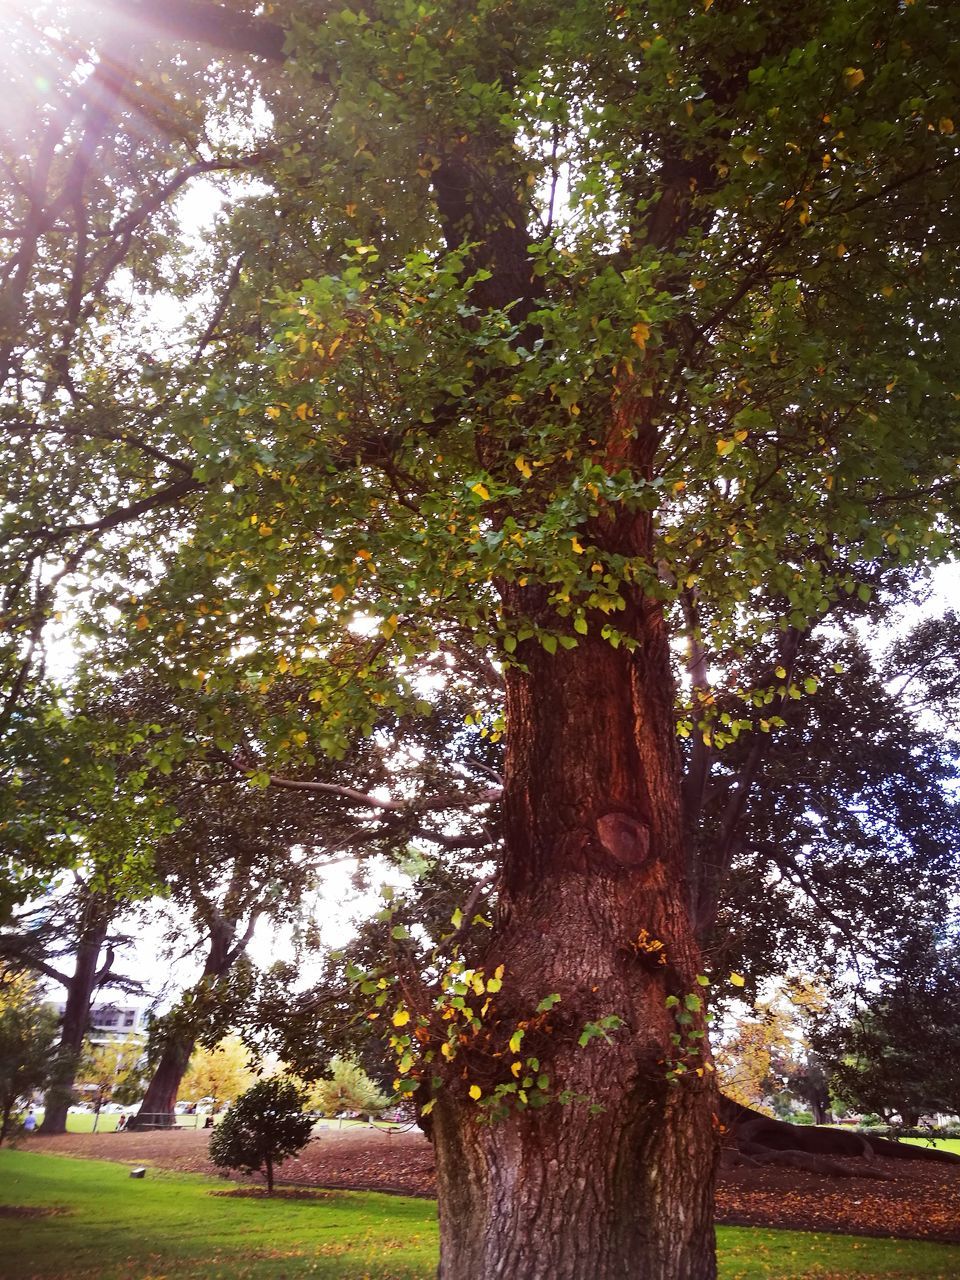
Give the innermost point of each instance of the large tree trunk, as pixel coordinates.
(593, 871)
(159, 1102)
(76, 1019)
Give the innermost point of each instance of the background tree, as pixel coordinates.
(896, 1048)
(112, 1071)
(77, 831)
(347, 1088)
(220, 1073)
(27, 1031)
(725, 362)
(262, 1128)
(75, 925)
(768, 1051)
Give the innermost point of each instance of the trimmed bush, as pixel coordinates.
(263, 1127)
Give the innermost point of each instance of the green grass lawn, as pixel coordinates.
(944, 1144)
(82, 1121)
(113, 1227)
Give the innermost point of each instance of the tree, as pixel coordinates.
(560, 334)
(768, 1051)
(220, 1073)
(238, 856)
(347, 1088)
(113, 1070)
(77, 833)
(242, 854)
(897, 1049)
(27, 1031)
(854, 846)
(262, 1128)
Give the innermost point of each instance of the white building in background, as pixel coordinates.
(113, 1021)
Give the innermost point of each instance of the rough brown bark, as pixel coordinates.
(594, 864)
(76, 1018)
(160, 1100)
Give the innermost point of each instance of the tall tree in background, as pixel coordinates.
(576, 330)
(28, 1029)
(219, 1074)
(854, 845)
(896, 1048)
(239, 855)
(77, 831)
(111, 1071)
(71, 938)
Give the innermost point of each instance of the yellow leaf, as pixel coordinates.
(523, 467)
(887, 290)
(679, 486)
(841, 250)
(142, 622)
(401, 1018)
(852, 77)
(737, 980)
(946, 124)
(338, 592)
(273, 412)
(448, 1050)
(751, 155)
(282, 663)
(428, 1107)
(475, 1092)
(480, 490)
(301, 412)
(725, 446)
(575, 543)
(350, 209)
(265, 530)
(640, 333)
(516, 1067)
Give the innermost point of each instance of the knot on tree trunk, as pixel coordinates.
(625, 838)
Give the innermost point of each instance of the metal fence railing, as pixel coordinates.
(161, 1120)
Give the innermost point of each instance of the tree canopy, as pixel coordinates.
(547, 338)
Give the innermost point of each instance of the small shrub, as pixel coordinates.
(264, 1126)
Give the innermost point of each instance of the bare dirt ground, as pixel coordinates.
(922, 1202)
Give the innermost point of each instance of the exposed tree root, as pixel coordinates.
(756, 1139)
